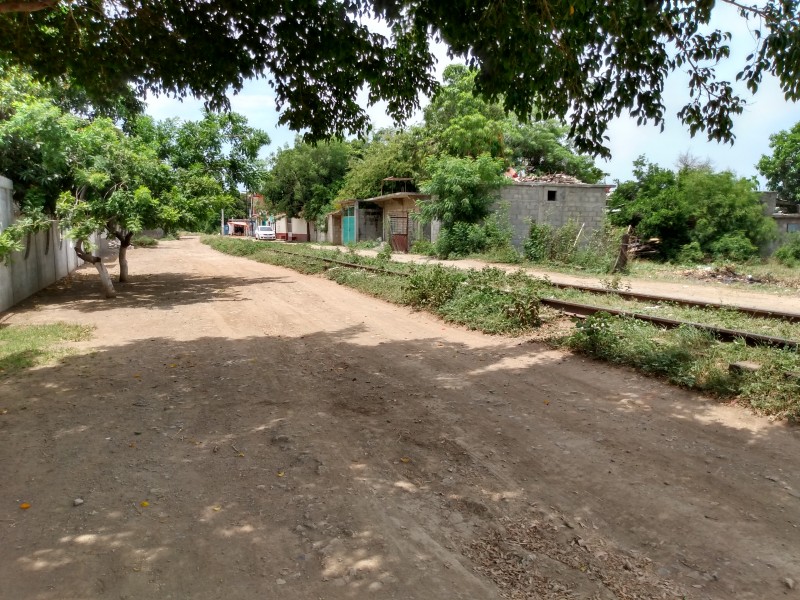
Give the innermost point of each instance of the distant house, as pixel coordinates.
(294, 229)
(239, 227)
(389, 218)
(785, 216)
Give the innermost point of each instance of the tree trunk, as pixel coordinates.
(124, 243)
(622, 258)
(105, 278)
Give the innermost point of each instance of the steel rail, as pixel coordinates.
(753, 312)
(339, 262)
(751, 339)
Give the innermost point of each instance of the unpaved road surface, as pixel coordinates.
(239, 431)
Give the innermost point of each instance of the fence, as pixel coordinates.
(47, 257)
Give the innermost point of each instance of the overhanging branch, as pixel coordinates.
(26, 7)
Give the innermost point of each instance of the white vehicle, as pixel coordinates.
(265, 232)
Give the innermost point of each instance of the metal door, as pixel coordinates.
(398, 230)
(348, 226)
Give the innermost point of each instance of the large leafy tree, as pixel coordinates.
(459, 122)
(98, 177)
(305, 179)
(117, 184)
(583, 61)
(390, 153)
(782, 168)
(694, 213)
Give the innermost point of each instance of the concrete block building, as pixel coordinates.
(553, 204)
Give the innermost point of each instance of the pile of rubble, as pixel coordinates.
(549, 178)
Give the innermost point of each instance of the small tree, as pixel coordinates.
(782, 168)
(463, 191)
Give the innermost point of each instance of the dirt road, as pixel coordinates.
(239, 431)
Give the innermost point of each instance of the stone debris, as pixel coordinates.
(542, 559)
(561, 178)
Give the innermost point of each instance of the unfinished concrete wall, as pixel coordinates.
(553, 204)
(46, 258)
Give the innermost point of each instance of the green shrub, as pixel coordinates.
(733, 246)
(431, 287)
(385, 253)
(492, 310)
(789, 252)
(547, 243)
(145, 241)
(461, 239)
(423, 247)
(690, 254)
(600, 253)
(537, 245)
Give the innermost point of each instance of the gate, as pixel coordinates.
(348, 225)
(398, 231)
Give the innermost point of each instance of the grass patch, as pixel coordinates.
(26, 346)
(385, 287)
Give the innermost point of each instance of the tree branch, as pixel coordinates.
(87, 257)
(758, 10)
(27, 7)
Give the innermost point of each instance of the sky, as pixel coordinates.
(766, 113)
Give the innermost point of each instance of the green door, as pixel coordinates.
(348, 226)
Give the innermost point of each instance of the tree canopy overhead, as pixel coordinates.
(583, 61)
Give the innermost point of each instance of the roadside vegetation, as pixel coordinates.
(25, 346)
(496, 302)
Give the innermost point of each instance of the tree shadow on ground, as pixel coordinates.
(334, 462)
(162, 291)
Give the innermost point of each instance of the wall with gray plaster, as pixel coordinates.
(47, 257)
(553, 204)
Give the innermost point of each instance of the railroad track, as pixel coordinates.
(579, 310)
(753, 312)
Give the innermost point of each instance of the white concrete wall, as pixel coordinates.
(46, 258)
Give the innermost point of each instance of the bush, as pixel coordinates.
(562, 245)
(547, 243)
(423, 247)
(733, 246)
(493, 301)
(145, 241)
(537, 246)
(431, 287)
(602, 250)
(492, 310)
(628, 341)
(385, 253)
(461, 239)
(690, 254)
(789, 252)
